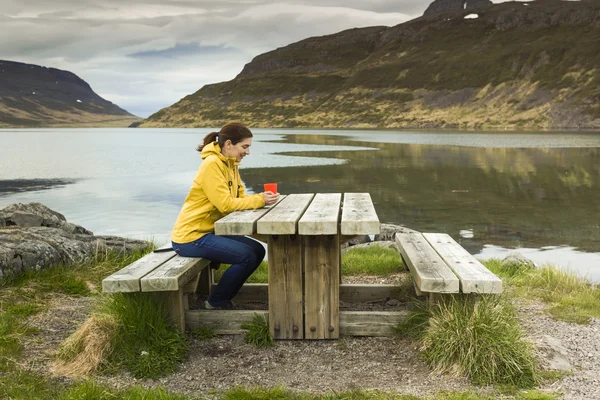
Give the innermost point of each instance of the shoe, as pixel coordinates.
(229, 305)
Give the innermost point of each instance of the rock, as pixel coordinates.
(478, 4)
(388, 231)
(37, 214)
(357, 240)
(33, 237)
(386, 244)
(556, 354)
(516, 262)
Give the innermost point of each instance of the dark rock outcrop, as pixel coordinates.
(32, 236)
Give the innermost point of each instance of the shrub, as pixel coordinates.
(475, 336)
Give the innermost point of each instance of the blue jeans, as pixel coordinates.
(244, 255)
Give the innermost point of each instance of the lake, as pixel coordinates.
(494, 192)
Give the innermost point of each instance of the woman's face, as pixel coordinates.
(237, 151)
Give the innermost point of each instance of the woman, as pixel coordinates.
(216, 191)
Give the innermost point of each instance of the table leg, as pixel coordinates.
(286, 319)
(322, 287)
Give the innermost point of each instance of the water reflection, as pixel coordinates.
(519, 197)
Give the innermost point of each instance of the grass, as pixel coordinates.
(479, 338)
(371, 261)
(28, 293)
(570, 298)
(474, 336)
(28, 386)
(80, 279)
(130, 332)
(257, 332)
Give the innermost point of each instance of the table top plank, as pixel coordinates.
(474, 276)
(322, 216)
(242, 222)
(358, 215)
(283, 218)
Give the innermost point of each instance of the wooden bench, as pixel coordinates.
(170, 277)
(438, 264)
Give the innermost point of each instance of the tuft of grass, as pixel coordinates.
(86, 349)
(258, 333)
(145, 343)
(24, 309)
(11, 328)
(204, 332)
(129, 331)
(373, 260)
(570, 298)
(475, 336)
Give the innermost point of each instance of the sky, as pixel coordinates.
(144, 55)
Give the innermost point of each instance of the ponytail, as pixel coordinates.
(208, 139)
(233, 131)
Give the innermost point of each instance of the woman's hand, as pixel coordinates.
(270, 198)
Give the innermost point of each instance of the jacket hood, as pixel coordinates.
(214, 148)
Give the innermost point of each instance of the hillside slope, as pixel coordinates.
(517, 65)
(34, 96)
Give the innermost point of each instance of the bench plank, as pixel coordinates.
(242, 222)
(283, 218)
(128, 278)
(474, 276)
(173, 274)
(358, 215)
(321, 217)
(429, 271)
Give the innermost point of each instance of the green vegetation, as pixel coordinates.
(475, 336)
(131, 331)
(28, 293)
(372, 261)
(257, 332)
(570, 298)
(478, 337)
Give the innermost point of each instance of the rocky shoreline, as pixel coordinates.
(34, 237)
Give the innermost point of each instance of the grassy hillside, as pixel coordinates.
(515, 66)
(35, 96)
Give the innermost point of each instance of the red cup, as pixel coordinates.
(271, 187)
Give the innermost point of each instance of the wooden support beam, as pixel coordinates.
(352, 323)
(285, 290)
(321, 287)
(349, 292)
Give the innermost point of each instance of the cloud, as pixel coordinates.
(147, 54)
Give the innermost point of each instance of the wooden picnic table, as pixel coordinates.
(303, 233)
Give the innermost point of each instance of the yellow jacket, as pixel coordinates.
(217, 190)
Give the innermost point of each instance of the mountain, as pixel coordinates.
(35, 96)
(511, 65)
